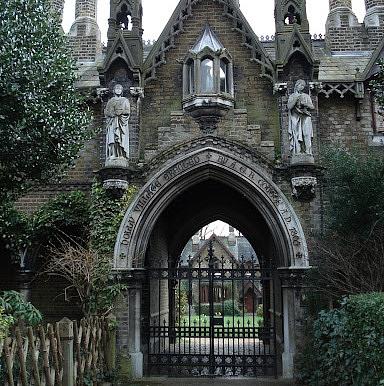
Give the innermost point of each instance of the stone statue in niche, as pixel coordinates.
(117, 113)
(300, 121)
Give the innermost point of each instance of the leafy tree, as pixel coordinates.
(378, 85)
(355, 190)
(350, 255)
(43, 122)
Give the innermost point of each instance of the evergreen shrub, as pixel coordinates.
(347, 345)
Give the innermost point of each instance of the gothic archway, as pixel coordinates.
(235, 184)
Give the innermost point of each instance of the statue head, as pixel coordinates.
(118, 90)
(300, 85)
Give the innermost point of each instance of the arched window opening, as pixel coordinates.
(190, 77)
(292, 16)
(124, 18)
(207, 76)
(224, 77)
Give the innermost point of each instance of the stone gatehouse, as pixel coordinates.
(214, 124)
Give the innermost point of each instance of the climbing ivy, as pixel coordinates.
(66, 214)
(107, 213)
(6, 321)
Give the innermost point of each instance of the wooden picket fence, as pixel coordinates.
(63, 354)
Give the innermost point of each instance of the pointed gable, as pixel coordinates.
(175, 26)
(297, 43)
(120, 49)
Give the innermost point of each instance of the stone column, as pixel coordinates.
(86, 8)
(341, 26)
(338, 10)
(292, 280)
(134, 326)
(373, 3)
(129, 316)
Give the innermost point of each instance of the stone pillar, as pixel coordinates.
(340, 15)
(342, 26)
(373, 3)
(288, 332)
(84, 35)
(134, 326)
(292, 281)
(129, 316)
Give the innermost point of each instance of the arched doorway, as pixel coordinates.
(208, 181)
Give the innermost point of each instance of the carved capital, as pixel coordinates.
(304, 188)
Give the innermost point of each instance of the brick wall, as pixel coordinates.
(338, 123)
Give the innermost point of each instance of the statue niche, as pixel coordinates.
(300, 122)
(117, 113)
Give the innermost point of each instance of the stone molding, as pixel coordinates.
(181, 172)
(115, 184)
(242, 151)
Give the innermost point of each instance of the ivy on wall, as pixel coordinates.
(93, 219)
(106, 215)
(378, 85)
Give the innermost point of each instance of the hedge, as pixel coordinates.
(347, 344)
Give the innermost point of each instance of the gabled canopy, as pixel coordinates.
(209, 40)
(297, 43)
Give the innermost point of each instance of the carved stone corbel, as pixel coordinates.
(304, 188)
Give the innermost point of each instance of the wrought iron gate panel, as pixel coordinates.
(202, 324)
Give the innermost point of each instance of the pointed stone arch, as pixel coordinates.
(210, 158)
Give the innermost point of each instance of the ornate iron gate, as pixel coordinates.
(212, 317)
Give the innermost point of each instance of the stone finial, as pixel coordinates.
(86, 8)
(340, 3)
